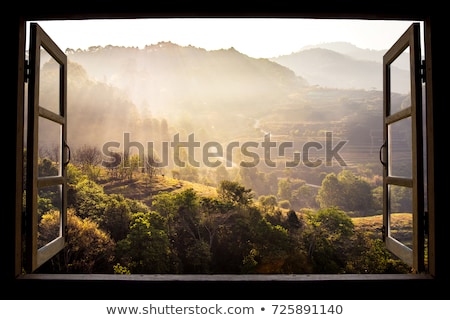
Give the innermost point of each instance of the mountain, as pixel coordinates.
(222, 96)
(159, 77)
(357, 53)
(351, 50)
(97, 112)
(343, 65)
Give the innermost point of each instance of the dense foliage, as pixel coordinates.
(183, 231)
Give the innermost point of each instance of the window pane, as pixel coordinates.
(400, 82)
(49, 147)
(49, 211)
(400, 149)
(49, 83)
(400, 214)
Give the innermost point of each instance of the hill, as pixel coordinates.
(401, 226)
(132, 97)
(166, 78)
(140, 188)
(343, 66)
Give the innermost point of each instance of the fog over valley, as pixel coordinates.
(224, 96)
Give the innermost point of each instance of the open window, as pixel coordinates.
(47, 126)
(403, 154)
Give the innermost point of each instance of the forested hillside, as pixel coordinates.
(185, 228)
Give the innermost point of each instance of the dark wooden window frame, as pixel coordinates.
(314, 284)
(413, 255)
(35, 256)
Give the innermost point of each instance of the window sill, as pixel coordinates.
(226, 277)
(225, 287)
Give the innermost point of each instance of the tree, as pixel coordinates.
(113, 165)
(188, 214)
(304, 197)
(89, 249)
(49, 197)
(134, 162)
(164, 130)
(221, 174)
(293, 221)
(146, 247)
(268, 203)
(189, 173)
(90, 200)
(191, 241)
(255, 180)
(151, 166)
(357, 192)
(214, 215)
(198, 257)
(88, 155)
(165, 204)
(371, 256)
(116, 217)
(234, 192)
(346, 191)
(271, 247)
(284, 189)
(47, 168)
(327, 239)
(330, 193)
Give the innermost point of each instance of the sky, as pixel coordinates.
(255, 37)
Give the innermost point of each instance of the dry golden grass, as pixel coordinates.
(201, 189)
(401, 226)
(142, 188)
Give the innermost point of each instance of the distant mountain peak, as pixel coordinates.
(339, 46)
(349, 49)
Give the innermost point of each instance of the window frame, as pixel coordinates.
(414, 256)
(308, 282)
(35, 255)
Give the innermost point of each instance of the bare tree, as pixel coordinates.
(50, 152)
(88, 155)
(151, 168)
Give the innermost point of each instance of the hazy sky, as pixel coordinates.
(257, 37)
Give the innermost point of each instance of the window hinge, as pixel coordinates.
(26, 71)
(423, 73)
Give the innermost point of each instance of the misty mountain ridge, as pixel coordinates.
(221, 95)
(160, 76)
(358, 53)
(335, 65)
(350, 49)
(343, 65)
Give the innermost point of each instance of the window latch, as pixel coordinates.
(68, 154)
(381, 154)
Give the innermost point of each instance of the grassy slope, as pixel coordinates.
(140, 188)
(401, 225)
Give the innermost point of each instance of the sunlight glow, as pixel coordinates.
(255, 37)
